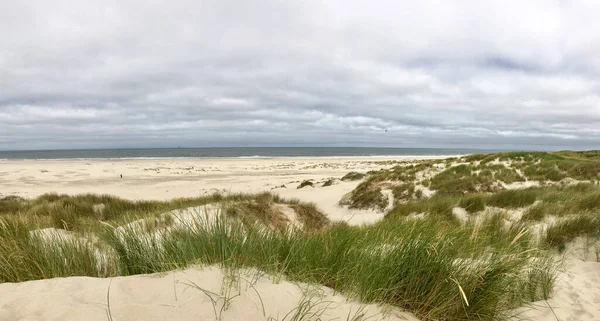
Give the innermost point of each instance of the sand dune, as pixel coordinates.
(193, 294)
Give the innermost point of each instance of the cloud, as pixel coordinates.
(493, 74)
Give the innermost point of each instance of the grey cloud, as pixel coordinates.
(494, 74)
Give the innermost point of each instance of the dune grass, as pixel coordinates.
(366, 196)
(353, 176)
(535, 213)
(328, 182)
(405, 191)
(310, 216)
(457, 278)
(473, 203)
(88, 211)
(563, 231)
(437, 206)
(495, 177)
(306, 183)
(461, 180)
(374, 264)
(514, 198)
(25, 257)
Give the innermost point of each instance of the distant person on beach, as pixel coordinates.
(121, 175)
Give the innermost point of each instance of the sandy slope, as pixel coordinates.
(193, 294)
(576, 296)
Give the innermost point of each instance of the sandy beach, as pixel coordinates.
(166, 179)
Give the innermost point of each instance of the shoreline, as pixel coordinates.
(402, 157)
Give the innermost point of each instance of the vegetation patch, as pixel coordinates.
(353, 176)
(253, 212)
(372, 263)
(473, 203)
(535, 213)
(367, 195)
(514, 198)
(566, 230)
(306, 183)
(589, 202)
(438, 206)
(460, 180)
(404, 191)
(329, 182)
(310, 217)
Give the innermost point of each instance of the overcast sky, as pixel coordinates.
(473, 74)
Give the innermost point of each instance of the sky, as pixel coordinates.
(205, 73)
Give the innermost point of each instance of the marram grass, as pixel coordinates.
(435, 270)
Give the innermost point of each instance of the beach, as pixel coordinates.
(165, 179)
(144, 297)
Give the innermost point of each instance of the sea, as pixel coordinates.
(227, 152)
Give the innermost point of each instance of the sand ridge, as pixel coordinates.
(208, 293)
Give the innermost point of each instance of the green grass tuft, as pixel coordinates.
(473, 203)
(353, 176)
(515, 198)
(367, 195)
(535, 213)
(566, 230)
(310, 217)
(591, 201)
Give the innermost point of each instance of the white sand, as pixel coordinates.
(193, 294)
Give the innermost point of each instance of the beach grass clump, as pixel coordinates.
(457, 278)
(581, 170)
(462, 179)
(367, 195)
(10, 204)
(25, 256)
(310, 216)
(436, 206)
(536, 212)
(563, 231)
(544, 171)
(587, 154)
(473, 203)
(404, 191)
(328, 182)
(514, 198)
(65, 209)
(353, 176)
(305, 183)
(504, 174)
(257, 212)
(589, 202)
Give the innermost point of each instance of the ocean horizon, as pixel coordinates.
(229, 152)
